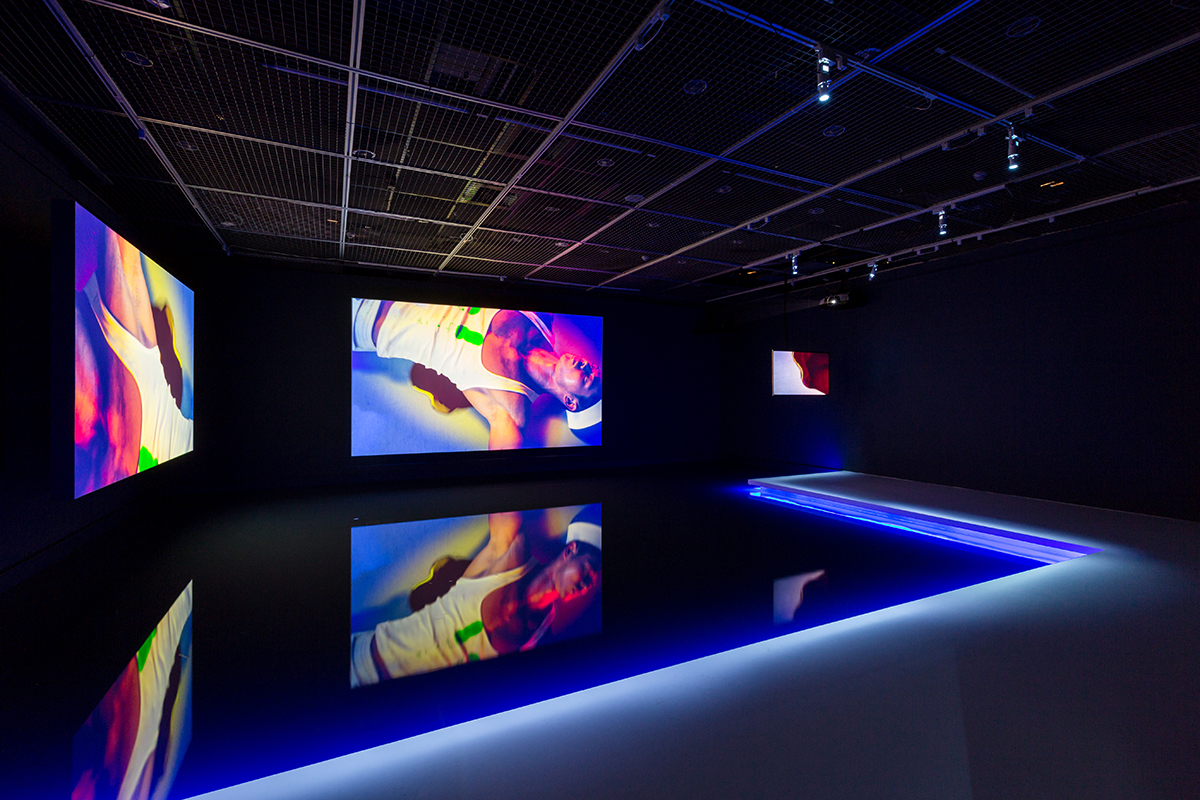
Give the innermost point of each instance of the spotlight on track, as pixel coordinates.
(795, 265)
(874, 269)
(824, 77)
(837, 300)
(1013, 141)
(941, 215)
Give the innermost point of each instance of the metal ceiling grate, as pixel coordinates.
(239, 212)
(533, 212)
(110, 140)
(604, 166)
(195, 79)
(405, 192)
(416, 128)
(507, 246)
(1163, 159)
(408, 259)
(705, 81)
(538, 57)
(728, 195)
(318, 28)
(225, 162)
(655, 232)
(41, 60)
(430, 237)
(262, 244)
(572, 277)
(483, 268)
(607, 259)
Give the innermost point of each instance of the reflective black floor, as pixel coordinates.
(689, 567)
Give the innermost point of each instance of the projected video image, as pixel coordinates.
(133, 359)
(435, 379)
(437, 593)
(800, 373)
(133, 742)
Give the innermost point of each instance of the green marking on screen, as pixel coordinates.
(144, 651)
(146, 460)
(469, 336)
(474, 310)
(472, 656)
(474, 629)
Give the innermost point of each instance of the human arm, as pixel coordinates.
(505, 414)
(505, 547)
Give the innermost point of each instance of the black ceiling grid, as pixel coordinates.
(509, 246)
(739, 248)
(319, 28)
(603, 166)
(548, 215)
(110, 140)
(605, 258)
(1039, 46)
(416, 128)
(402, 192)
(571, 277)
(727, 194)
(430, 237)
(831, 214)
(288, 246)
(38, 56)
(1127, 106)
(705, 81)
(657, 233)
(224, 162)
(1162, 159)
(480, 267)
(536, 56)
(386, 256)
(192, 78)
(239, 212)
(866, 121)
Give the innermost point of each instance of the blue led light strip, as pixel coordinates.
(1022, 545)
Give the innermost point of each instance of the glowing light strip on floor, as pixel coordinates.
(1022, 545)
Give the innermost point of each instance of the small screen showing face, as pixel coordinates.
(436, 379)
(133, 359)
(133, 742)
(438, 593)
(799, 373)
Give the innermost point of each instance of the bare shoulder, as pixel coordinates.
(491, 402)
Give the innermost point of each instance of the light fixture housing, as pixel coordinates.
(1013, 156)
(824, 75)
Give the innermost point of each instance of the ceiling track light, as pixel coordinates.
(795, 264)
(1013, 141)
(874, 269)
(941, 215)
(824, 75)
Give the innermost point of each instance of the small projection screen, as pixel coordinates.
(439, 378)
(433, 594)
(133, 359)
(799, 373)
(132, 744)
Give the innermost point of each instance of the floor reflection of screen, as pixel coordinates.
(433, 379)
(133, 742)
(438, 593)
(133, 359)
(800, 373)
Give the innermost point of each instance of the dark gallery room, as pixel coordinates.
(901, 484)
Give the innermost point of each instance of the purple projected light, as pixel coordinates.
(897, 517)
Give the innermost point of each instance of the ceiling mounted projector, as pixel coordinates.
(836, 300)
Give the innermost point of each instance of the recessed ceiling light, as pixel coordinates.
(562, 244)
(817, 210)
(834, 130)
(735, 241)
(980, 175)
(695, 86)
(605, 162)
(551, 209)
(1023, 26)
(652, 224)
(634, 198)
(726, 189)
(363, 154)
(188, 146)
(136, 58)
(229, 223)
(164, 5)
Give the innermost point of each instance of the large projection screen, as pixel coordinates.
(441, 378)
(133, 359)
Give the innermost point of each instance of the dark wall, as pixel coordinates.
(1063, 368)
(272, 353)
